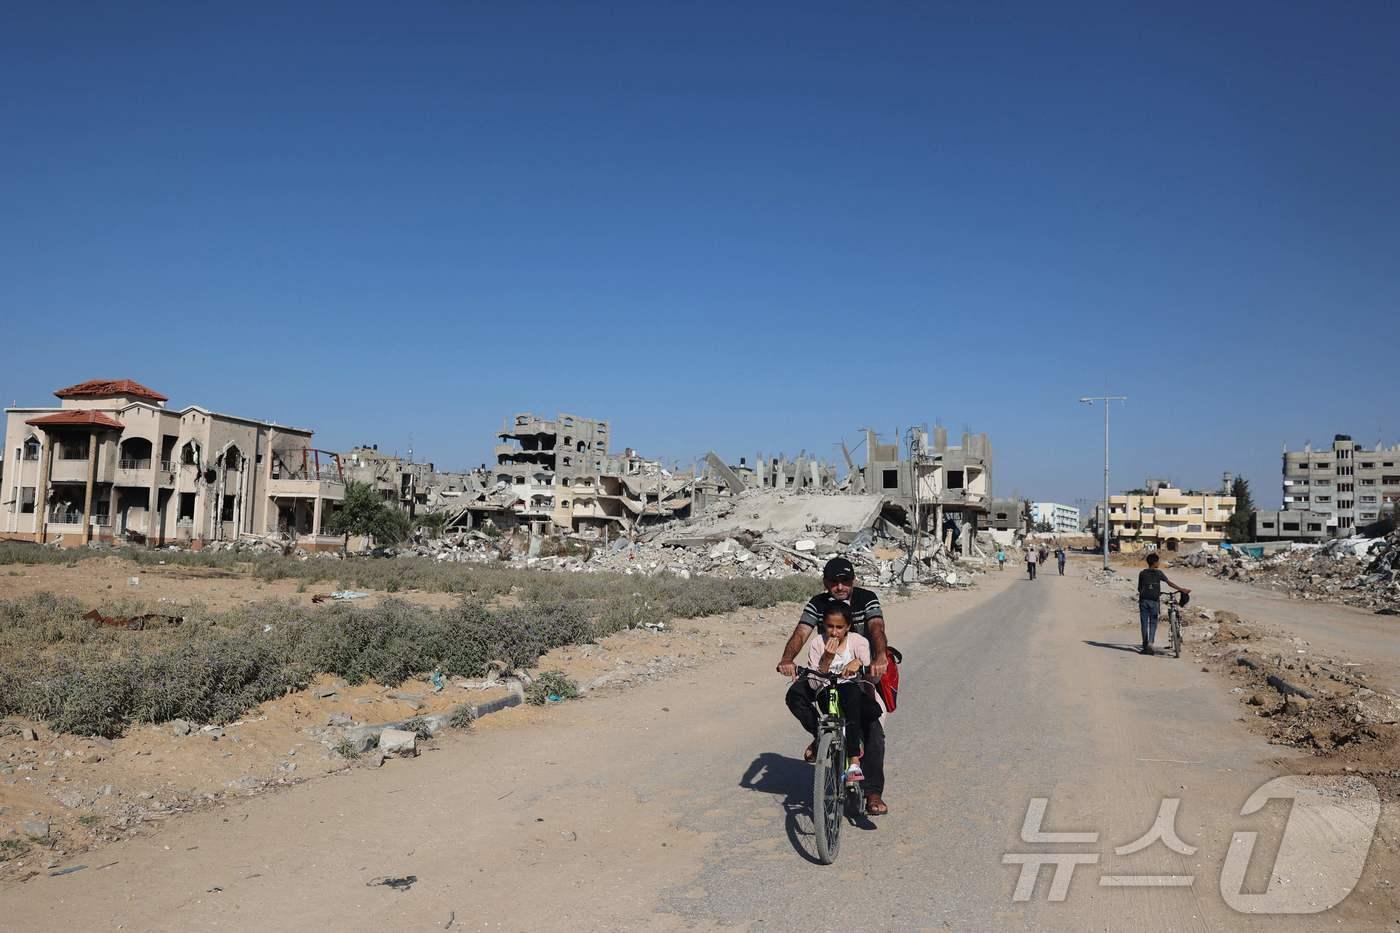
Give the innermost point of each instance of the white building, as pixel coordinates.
(1062, 519)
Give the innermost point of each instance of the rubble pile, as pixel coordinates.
(1362, 572)
(1312, 701)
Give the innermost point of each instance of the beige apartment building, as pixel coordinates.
(113, 464)
(1168, 519)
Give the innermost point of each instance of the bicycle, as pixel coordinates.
(833, 799)
(1174, 603)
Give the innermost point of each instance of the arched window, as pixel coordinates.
(30, 448)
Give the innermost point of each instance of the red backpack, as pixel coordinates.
(889, 684)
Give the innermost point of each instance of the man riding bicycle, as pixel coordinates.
(867, 619)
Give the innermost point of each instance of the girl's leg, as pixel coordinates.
(852, 708)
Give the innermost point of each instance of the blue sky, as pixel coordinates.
(740, 226)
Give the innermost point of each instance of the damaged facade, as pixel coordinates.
(559, 475)
(113, 464)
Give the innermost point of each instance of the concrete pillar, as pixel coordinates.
(41, 491)
(154, 523)
(316, 517)
(87, 492)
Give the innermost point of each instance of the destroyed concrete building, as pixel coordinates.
(413, 487)
(939, 486)
(1348, 484)
(113, 464)
(560, 475)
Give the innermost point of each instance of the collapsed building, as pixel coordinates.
(413, 487)
(558, 475)
(113, 464)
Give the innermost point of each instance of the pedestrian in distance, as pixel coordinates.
(1001, 559)
(1030, 562)
(1060, 558)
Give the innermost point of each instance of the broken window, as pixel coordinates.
(955, 479)
(26, 500)
(189, 455)
(580, 446)
(31, 449)
(226, 513)
(1290, 526)
(233, 461)
(1268, 524)
(566, 461)
(187, 507)
(1314, 526)
(563, 503)
(566, 481)
(889, 479)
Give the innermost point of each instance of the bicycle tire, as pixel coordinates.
(828, 796)
(1176, 632)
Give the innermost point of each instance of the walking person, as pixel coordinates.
(1030, 562)
(1060, 558)
(1001, 558)
(1150, 583)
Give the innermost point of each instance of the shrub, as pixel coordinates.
(550, 685)
(462, 717)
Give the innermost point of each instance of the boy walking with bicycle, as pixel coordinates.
(1150, 582)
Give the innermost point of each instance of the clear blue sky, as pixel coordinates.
(719, 225)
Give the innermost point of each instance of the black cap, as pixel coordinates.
(838, 567)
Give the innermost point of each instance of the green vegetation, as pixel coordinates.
(1237, 529)
(550, 685)
(61, 669)
(364, 512)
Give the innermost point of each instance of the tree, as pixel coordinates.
(1043, 527)
(1237, 529)
(363, 512)
(431, 523)
(1027, 522)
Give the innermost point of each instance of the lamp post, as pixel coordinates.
(1106, 525)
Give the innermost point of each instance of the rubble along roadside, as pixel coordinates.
(1324, 705)
(1358, 571)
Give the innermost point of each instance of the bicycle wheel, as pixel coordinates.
(1176, 632)
(829, 795)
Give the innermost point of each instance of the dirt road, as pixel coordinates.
(684, 805)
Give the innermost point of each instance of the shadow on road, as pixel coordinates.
(1131, 649)
(791, 779)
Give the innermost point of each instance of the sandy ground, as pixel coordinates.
(681, 803)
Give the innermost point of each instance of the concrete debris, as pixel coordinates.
(398, 743)
(1361, 572)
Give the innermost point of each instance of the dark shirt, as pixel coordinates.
(1150, 584)
(865, 606)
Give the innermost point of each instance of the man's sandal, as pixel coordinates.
(874, 806)
(810, 754)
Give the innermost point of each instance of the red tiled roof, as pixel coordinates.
(103, 388)
(76, 419)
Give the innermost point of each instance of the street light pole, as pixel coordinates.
(1104, 523)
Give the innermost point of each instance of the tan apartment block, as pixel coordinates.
(113, 464)
(1169, 518)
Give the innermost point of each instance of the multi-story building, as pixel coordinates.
(112, 463)
(1062, 519)
(1168, 518)
(1350, 485)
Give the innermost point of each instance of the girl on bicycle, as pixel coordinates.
(840, 650)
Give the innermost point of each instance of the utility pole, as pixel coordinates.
(1106, 525)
